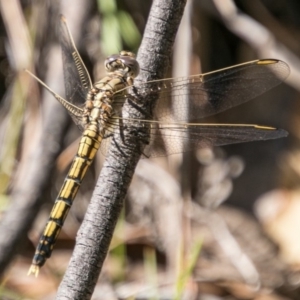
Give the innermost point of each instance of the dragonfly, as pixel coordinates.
(97, 110)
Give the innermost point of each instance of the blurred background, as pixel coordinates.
(218, 223)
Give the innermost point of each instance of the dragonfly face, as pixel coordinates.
(124, 60)
(97, 110)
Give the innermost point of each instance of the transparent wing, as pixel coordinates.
(203, 95)
(75, 111)
(210, 93)
(76, 78)
(171, 138)
(177, 138)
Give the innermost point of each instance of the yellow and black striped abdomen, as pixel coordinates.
(88, 146)
(95, 118)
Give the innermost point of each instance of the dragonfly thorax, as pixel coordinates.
(122, 68)
(98, 106)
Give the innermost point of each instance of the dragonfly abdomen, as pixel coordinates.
(88, 146)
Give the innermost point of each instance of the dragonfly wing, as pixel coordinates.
(171, 138)
(207, 94)
(176, 138)
(76, 77)
(203, 95)
(75, 112)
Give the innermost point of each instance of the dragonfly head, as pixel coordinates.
(123, 61)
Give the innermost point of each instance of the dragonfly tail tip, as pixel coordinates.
(34, 269)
